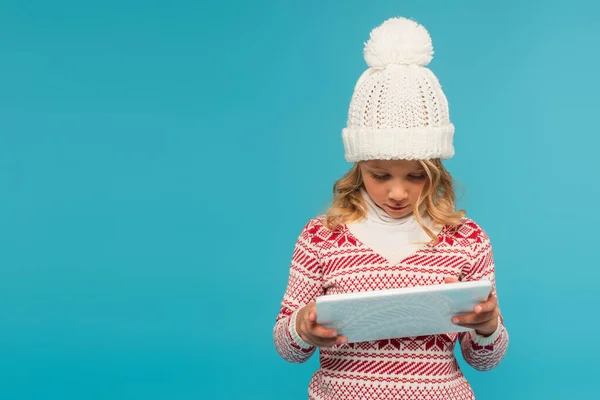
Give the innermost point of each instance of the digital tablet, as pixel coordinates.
(404, 312)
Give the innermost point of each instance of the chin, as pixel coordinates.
(401, 213)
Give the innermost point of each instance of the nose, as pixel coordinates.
(398, 193)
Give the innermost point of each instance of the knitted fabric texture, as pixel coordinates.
(398, 109)
(422, 367)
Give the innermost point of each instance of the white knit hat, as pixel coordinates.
(398, 109)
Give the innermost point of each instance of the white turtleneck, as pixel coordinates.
(392, 238)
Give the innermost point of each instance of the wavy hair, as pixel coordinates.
(438, 196)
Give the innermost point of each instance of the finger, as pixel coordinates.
(341, 339)
(473, 318)
(316, 341)
(312, 312)
(487, 306)
(323, 332)
(450, 280)
(486, 327)
(323, 342)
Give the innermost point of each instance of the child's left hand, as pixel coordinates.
(484, 319)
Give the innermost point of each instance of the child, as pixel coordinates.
(392, 224)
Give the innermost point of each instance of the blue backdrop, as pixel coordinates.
(158, 160)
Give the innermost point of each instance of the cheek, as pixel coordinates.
(416, 191)
(374, 187)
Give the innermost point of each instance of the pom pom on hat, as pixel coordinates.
(398, 41)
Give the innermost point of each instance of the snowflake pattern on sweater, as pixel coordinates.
(423, 367)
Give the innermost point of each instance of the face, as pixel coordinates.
(394, 185)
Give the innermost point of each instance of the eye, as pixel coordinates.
(379, 177)
(417, 177)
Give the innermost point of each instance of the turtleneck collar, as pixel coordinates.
(379, 215)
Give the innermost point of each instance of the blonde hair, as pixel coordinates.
(438, 195)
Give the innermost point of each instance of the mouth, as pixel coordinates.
(397, 208)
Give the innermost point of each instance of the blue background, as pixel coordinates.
(158, 160)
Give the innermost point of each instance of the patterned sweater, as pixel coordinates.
(423, 367)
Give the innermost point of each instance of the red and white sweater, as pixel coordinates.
(424, 367)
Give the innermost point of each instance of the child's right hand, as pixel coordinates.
(313, 333)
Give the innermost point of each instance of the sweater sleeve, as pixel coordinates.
(483, 352)
(305, 283)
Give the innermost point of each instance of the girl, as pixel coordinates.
(392, 224)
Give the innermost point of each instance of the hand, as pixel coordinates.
(484, 318)
(313, 333)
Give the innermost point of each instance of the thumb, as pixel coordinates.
(312, 312)
(450, 280)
